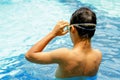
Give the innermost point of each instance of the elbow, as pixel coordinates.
(28, 57)
(31, 57)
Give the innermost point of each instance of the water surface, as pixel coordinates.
(24, 22)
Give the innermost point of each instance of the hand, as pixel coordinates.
(59, 28)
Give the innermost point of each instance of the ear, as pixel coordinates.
(73, 29)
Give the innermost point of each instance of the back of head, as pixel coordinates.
(84, 15)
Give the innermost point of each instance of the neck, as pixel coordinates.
(82, 44)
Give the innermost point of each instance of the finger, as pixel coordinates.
(63, 22)
(63, 33)
(64, 25)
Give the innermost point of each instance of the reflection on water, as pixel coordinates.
(13, 1)
(23, 22)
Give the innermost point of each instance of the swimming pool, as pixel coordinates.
(24, 22)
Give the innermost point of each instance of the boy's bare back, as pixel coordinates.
(78, 63)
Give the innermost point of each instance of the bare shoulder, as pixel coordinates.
(99, 53)
(61, 50)
(60, 54)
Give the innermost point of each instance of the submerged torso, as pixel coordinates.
(77, 63)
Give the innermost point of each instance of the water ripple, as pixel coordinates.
(24, 22)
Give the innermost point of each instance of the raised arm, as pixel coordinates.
(35, 53)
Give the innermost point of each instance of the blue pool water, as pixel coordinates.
(24, 22)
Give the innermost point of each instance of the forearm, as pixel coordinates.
(40, 45)
(57, 31)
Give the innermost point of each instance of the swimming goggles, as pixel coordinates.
(88, 25)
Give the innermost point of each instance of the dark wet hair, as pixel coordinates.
(84, 15)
